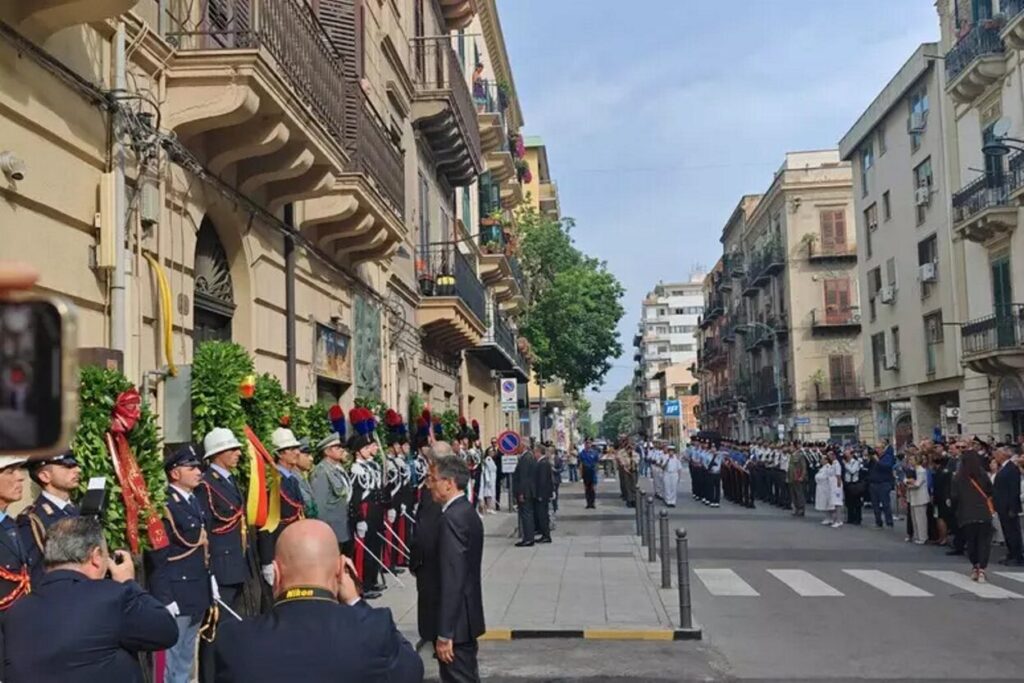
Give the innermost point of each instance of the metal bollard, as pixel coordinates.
(652, 542)
(683, 569)
(642, 505)
(638, 507)
(666, 554)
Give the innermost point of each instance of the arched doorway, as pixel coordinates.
(213, 297)
(904, 430)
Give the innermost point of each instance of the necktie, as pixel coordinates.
(71, 510)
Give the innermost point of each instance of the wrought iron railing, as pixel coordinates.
(374, 153)
(290, 34)
(835, 316)
(1011, 8)
(517, 272)
(489, 97)
(764, 394)
(999, 331)
(842, 390)
(501, 334)
(451, 274)
(436, 70)
(816, 249)
(989, 191)
(978, 42)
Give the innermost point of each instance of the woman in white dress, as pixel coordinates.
(488, 483)
(828, 490)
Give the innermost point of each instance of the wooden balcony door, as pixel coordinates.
(833, 231)
(837, 301)
(841, 379)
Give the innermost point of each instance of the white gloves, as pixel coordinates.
(391, 516)
(404, 512)
(173, 609)
(268, 573)
(361, 529)
(214, 588)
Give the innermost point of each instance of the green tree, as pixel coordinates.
(585, 421)
(618, 414)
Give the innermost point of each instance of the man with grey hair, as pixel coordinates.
(78, 627)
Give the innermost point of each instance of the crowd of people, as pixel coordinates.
(963, 494)
(216, 588)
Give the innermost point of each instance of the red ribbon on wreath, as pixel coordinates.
(127, 409)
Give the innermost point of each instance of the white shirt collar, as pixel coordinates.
(220, 470)
(454, 498)
(183, 492)
(59, 502)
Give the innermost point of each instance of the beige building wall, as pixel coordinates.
(904, 230)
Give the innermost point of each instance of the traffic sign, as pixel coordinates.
(801, 420)
(508, 463)
(509, 394)
(672, 408)
(509, 442)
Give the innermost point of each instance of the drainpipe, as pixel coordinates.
(118, 305)
(289, 302)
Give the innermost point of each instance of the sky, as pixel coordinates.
(659, 114)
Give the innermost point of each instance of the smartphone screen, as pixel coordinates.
(31, 388)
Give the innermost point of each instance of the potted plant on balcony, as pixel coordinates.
(522, 168)
(504, 90)
(818, 380)
(445, 285)
(519, 146)
(809, 240)
(425, 278)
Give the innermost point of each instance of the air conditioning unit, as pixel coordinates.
(918, 122)
(923, 196)
(927, 272)
(887, 294)
(892, 361)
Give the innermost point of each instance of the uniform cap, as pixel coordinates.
(332, 439)
(184, 456)
(219, 440)
(283, 438)
(67, 458)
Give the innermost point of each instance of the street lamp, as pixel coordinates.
(742, 329)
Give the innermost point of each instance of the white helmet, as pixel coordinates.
(219, 440)
(283, 438)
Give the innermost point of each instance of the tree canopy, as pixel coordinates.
(618, 414)
(574, 305)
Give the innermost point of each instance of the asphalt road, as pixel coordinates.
(787, 599)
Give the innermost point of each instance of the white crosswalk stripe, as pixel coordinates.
(725, 582)
(805, 584)
(887, 583)
(1016, 576)
(963, 582)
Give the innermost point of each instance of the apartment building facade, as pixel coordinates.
(981, 45)
(905, 254)
(666, 337)
(786, 293)
(306, 175)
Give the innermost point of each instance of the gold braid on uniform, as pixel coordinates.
(38, 530)
(299, 507)
(23, 585)
(203, 542)
(208, 631)
(228, 524)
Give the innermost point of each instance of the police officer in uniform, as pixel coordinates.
(15, 564)
(287, 449)
(181, 575)
(367, 505)
(57, 478)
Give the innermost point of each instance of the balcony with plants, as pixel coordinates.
(994, 344)
(836, 389)
(452, 310)
(764, 262)
(501, 348)
(499, 249)
(977, 60)
(835, 318)
(817, 250)
(443, 110)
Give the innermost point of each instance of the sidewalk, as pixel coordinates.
(591, 581)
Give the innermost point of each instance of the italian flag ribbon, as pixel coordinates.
(263, 506)
(127, 409)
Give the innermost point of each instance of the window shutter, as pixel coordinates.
(339, 19)
(839, 228)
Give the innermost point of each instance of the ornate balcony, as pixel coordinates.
(41, 18)
(817, 251)
(492, 107)
(994, 344)
(499, 269)
(983, 210)
(443, 110)
(976, 62)
(255, 88)
(499, 349)
(511, 195)
(452, 310)
(834, 318)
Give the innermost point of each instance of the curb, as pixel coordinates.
(657, 634)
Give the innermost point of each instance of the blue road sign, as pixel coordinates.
(672, 408)
(509, 442)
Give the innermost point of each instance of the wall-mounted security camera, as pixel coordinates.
(13, 168)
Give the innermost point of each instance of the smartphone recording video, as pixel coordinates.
(37, 394)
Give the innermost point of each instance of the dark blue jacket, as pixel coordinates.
(180, 571)
(292, 509)
(315, 641)
(72, 629)
(224, 509)
(36, 520)
(881, 469)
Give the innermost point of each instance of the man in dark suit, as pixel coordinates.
(57, 478)
(544, 488)
(460, 547)
(181, 574)
(1007, 502)
(423, 552)
(319, 629)
(525, 490)
(76, 626)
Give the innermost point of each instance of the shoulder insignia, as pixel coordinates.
(174, 497)
(47, 509)
(215, 474)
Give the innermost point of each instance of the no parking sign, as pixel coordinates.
(509, 394)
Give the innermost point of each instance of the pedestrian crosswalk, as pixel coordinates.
(923, 583)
